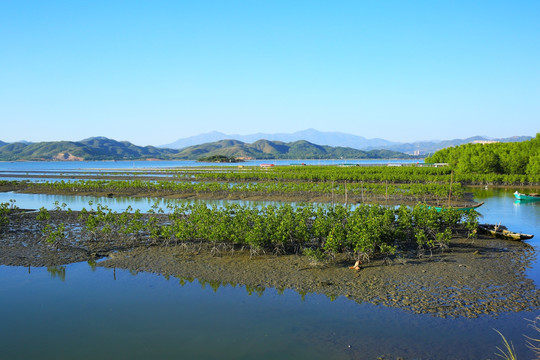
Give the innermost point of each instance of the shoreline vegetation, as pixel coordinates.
(368, 233)
(520, 160)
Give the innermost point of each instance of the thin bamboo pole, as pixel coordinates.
(450, 192)
(332, 192)
(345, 192)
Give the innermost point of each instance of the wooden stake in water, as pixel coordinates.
(345, 192)
(332, 192)
(450, 192)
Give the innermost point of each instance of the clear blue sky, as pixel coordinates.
(152, 72)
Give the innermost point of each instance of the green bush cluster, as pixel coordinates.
(4, 215)
(6, 209)
(519, 161)
(363, 232)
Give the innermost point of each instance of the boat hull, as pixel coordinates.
(502, 232)
(524, 197)
(468, 208)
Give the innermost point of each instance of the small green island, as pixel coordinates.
(220, 159)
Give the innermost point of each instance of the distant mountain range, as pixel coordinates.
(338, 139)
(265, 149)
(100, 148)
(97, 148)
(334, 146)
(429, 147)
(311, 135)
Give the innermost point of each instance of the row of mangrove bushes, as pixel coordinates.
(397, 174)
(363, 232)
(400, 175)
(411, 192)
(497, 179)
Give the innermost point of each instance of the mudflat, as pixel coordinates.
(470, 278)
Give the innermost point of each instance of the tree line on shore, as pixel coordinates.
(520, 158)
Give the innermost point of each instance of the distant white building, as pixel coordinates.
(484, 142)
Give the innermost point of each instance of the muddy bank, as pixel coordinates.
(22, 242)
(484, 276)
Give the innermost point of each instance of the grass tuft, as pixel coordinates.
(508, 353)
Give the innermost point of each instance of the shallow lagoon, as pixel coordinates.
(80, 311)
(116, 314)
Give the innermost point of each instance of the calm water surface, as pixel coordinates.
(82, 312)
(59, 166)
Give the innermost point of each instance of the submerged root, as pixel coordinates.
(255, 252)
(215, 251)
(279, 250)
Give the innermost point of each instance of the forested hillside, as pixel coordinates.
(100, 148)
(265, 149)
(97, 148)
(499, 158)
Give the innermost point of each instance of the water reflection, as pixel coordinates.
(181, 320)
(484, 277)
(57, 272)
(93, 264)
(527, 203)
(120, 204)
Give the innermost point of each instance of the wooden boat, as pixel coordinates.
(502, 232)
(530, 197)
(466, 208)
